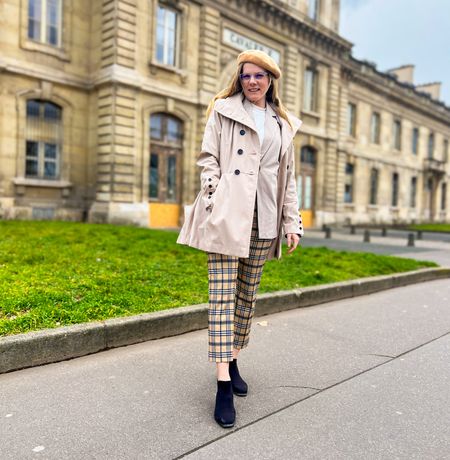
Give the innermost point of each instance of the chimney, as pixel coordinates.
(433, 89)
(404, 73)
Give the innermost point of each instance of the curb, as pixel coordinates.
(52, 345)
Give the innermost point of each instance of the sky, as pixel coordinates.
(392, 33)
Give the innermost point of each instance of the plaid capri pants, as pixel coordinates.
(233, 283)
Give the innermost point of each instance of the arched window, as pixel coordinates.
(166, 137)
(43, 139)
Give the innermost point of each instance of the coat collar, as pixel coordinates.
(233, 107)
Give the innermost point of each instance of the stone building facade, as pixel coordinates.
(103, 108)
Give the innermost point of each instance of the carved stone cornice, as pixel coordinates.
(295, 25)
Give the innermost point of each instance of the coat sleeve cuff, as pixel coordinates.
(294, 229)
(292, 222)
(209, 186)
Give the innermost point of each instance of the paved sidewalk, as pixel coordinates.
(435, 248)
(366, 377)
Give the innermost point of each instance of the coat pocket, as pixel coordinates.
(234, 198)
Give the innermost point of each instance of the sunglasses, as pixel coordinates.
(258, 76)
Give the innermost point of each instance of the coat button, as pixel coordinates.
(287, 166)
(237, 172)
(241, 132)
(210, 186)
(240, 152)
(209, 193)
(209, 179)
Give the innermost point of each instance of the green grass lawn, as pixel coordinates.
(60, 273)
(445, 228)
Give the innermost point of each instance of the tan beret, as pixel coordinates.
(261, 59)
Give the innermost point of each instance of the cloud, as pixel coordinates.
(397, 32)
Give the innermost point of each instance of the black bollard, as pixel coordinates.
(366, 236)
(327, 232)
(419, 234)
(384, 231)
(410, 239)
(352, 230)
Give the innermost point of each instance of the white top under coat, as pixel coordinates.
(259, 116)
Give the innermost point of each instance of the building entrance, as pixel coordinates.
(166, 136)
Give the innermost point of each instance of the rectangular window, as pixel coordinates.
(375, 128)
(166, 36)
(373, 186)
(431, 146)
(415, 141)
(444, 196)
(348, 185)
(43, 137)
(41, 153)
(310, 90)
(313, 9)
(413, 192)
(394, 190)
(397, 135)
(45, 21)
(445, 151)
(351, 119)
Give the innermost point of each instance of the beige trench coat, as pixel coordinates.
(220, 220)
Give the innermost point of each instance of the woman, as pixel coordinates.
(247, 202)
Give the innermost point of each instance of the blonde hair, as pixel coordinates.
(234, 87)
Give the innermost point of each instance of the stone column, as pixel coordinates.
(342, 145)
(209, 53)
(209, 69)
(331, 196)
(117, 199)
(291, 94)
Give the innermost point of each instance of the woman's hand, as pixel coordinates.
(292, 241)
